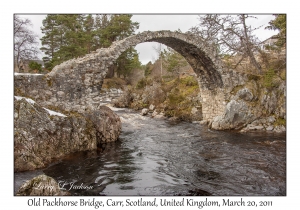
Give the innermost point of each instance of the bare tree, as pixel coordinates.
(25, 41)
(158, 50)
(230, 34)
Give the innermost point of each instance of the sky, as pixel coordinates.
(163, 22)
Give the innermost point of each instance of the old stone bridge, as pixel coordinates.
(76, 84)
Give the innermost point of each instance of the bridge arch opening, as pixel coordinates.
(85, 75)
(191, 48)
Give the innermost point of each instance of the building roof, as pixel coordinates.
(272, 37)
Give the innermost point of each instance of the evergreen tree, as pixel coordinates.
(279, 23)
(89, 32)
(118, 28)
(35, 66)
(173, 61)
(101, 22)
(68, 36)
(73, 39)
(127, 61)
(148, 69)
(52, 39)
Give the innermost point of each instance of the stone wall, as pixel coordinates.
(62, 92)
(214, 101)
(249, 105)
(76, 84)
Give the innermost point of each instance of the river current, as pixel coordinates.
(157, 157)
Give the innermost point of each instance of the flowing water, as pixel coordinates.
(157, 157)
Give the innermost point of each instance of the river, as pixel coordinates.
(157, 157)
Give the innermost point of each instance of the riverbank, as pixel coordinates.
(156, 157)
(250, 107)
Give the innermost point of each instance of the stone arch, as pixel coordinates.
(82, 78)
(202, 58)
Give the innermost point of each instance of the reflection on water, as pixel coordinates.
(154, 157)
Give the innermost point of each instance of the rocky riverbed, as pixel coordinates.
(163, 157)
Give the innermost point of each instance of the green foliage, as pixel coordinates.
(141, 83)
(148, 69)
(280, 121)
(173, 61)
(279, 23)
(178, 102)
(118, 28)
(35, 66)
(268, 78)
(189, 81)
(68, 36)
(168, 78)
(178, 105)
(127, 61)
(175, 98)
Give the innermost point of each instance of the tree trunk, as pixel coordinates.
(248, 48)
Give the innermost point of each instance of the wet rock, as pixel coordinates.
(279, 129)
(160, 116)
(151, 107)
(124, 100)
(144, 111)
(259, 127)
(41, 185)
(173, 119)
(106, 123)
(154, 113)
(270, 128)
(42, 135)
(203, 122)
(236, 116)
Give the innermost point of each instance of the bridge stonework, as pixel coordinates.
(76, 84)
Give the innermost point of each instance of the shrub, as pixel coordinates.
(35, 66)
(175, 98)
(280, 121)
(268, 78)
(141, 83)
(189, 81)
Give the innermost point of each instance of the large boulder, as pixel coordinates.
(144, 111)
(106, 123)
(236, 116)
(124, 100)
(245, 94)
(41, 185)
(42, 135)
